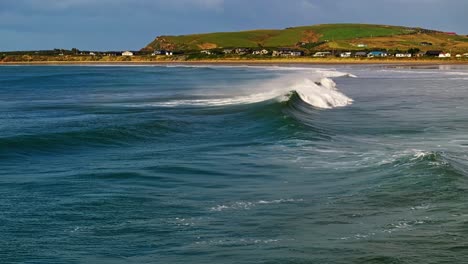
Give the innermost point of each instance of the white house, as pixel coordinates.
(445, 55)
(361, 45)
(322, 54)
(403, 55)
(127, 53)
(260, 52)
(92, 54)
(458, 56)
(465, 55)
(169, 53)
(345, 54)
(207, 52)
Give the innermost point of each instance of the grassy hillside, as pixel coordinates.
(336, 36)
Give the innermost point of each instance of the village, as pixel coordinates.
(288, 52)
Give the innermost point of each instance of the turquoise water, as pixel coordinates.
(233, 164)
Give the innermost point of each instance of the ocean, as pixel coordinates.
(234, 164)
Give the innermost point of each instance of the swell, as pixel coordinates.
(280, 108)
(415, 177)
(53, 142)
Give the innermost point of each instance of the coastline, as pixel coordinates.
(288, 61)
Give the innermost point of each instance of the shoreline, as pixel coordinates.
(307, 61)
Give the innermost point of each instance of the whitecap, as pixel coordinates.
(243, 205)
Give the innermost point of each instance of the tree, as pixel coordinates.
(414, 50)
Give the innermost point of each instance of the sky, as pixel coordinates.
(131, 24)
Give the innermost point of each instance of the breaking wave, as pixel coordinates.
(316, 89)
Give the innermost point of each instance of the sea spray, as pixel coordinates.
(315, 88)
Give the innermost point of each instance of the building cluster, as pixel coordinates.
(383, 54)
(286, 52)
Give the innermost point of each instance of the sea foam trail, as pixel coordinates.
(315, 88)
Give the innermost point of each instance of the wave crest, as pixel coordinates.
(315, 88)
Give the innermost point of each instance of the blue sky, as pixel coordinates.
(131, 24)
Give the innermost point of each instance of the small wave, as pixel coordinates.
(413, 155)
(402, 226)
(249, 205)
(238, 242)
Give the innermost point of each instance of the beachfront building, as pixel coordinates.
(345, 55)
(445, 55)
(260, 52)
(360, 54)
(433, 53)
(127, 53)
(403, 55)
(374, 54)
(162, 52)
(322, 54)
(287, 53)
(241, 51)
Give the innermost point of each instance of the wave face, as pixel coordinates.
(315, 88)
(202, 164)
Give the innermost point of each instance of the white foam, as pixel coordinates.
(249, 205)
(323, 94)
(315, 87)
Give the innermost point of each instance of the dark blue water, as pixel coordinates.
(233, 164)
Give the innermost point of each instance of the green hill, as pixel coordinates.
(326, 36)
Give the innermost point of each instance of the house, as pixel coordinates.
(465, 55)
(322, 54)
(424, 43)
(433, 53)
(345, 55)
(445, 55)
(296, 53)
(287, 53)
(162, 52)
(227, 51)
(403, 55)
(361, 45)
(92, 54)
(374, 54)
(360, 54)
(241, 51)
(206, 52)
(127, 53)
(260, 52)
(458, 56)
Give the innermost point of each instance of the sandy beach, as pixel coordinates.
(292, 61)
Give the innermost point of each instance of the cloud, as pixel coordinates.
(131, 24)
(54, 6)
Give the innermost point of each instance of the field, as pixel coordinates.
(321, 37)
